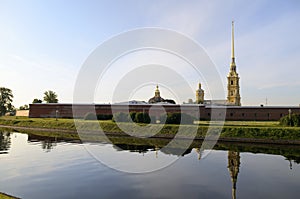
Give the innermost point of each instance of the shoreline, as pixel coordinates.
(7, 196)
(160, 136)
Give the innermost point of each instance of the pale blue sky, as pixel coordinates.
(44, 43)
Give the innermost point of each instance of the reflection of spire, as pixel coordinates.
(291, 166)
(233, 167)
(156, 152)
(199, 153)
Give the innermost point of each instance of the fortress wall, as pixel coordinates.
(232, 112)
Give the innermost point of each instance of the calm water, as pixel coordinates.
(41, 167)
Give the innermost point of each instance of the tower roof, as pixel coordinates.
(157, 93)
(232, 40)
(232, 65)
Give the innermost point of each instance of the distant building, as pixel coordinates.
(215, 102)
(132, 102)
(24, 113)
(158, 99)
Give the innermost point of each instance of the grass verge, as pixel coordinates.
(232, 129)
(5, 196)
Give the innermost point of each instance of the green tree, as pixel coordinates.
(25, 107)
(290, 120)
(50, 97)
(37, 101)
(6, 98)
(177, 118)
(142, 118)
(121, 117)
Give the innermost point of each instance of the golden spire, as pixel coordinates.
(232, 40)
(232, 65)
(157, 93)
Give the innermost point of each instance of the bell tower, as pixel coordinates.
(199, 95)
(233, 87)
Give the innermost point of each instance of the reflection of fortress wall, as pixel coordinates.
(232, 112)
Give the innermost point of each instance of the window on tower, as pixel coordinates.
(231, 82)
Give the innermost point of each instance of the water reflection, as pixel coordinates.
(232, 170)
(291, 153)
(5, 142)
(143, 146)
(47, 143)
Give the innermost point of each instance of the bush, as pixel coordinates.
(132, 116)
(177, 118)
(187, 119)
(294, 120)
(137, 117)
(104, 117)
(121, 117)
(142, 118)
(152, 119)
(93, 116)
(90, 116)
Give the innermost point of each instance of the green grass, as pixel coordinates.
(5, 196)
(231, 129)
(245, 123)
(50, 123)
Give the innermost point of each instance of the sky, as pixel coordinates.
(43, 45)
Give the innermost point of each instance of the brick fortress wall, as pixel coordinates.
(232, 112)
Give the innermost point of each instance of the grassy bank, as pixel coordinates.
(231, 130)
(5, 196)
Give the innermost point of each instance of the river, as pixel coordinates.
(43, 167)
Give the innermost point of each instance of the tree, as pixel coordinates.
(37, 101)
(177, 118)
(6, 98)
(50, 97)
(121, 117)
(25, 107)
(290, 120)
(142, 118)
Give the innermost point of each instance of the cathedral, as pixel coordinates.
(158, 99)
(234, 110)
(233, 88)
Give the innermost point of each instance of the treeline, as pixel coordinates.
(140, 117)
